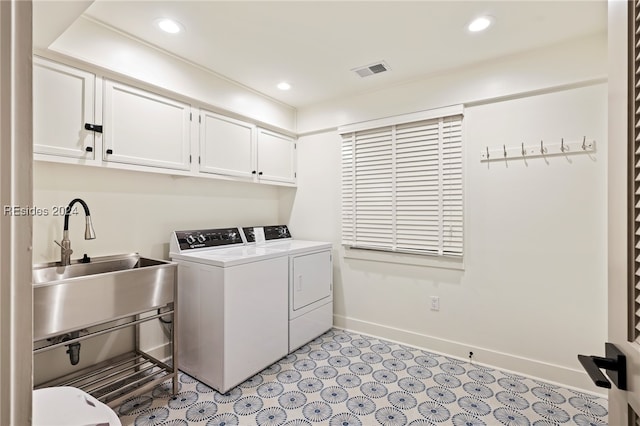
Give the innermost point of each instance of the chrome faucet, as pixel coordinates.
(89, 233)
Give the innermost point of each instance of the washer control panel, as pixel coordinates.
(202, 238)
(275, 232)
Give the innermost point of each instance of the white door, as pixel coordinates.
(144, 128)
(310, 277)
(276, 157)
(624, 219)
(227, 146)
(63, 102)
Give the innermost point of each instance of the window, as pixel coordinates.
(402, 184)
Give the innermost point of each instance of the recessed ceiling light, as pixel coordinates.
(284, 86)
(169, 25)
(480, 24)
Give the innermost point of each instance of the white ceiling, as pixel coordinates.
(314, 45)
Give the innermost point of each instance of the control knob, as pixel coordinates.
(201, 238)
(282, 231)
(191, 239)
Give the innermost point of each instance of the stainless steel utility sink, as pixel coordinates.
(69, 298)
(49, 272)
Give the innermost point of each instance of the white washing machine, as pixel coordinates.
(310, 281)
(232, 304)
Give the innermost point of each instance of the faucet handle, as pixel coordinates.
(65, 250)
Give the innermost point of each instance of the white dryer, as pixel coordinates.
(310, 281)
(232, 304)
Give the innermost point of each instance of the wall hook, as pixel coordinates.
(570, 147)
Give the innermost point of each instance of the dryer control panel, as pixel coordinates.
(205, 238)
(274, 232)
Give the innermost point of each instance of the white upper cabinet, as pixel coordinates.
(235, 148)
(276, 157)
(63, 101)
(144, 128)
(84, 118)
(227, 146)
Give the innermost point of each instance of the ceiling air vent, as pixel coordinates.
(372, 69)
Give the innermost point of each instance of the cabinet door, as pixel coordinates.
(63, 101)
(227, 146)
(144, 128)
(276, 157)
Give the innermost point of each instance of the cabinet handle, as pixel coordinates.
(93, 127)
(89, 149)
(109, 151)
(253, 172)
(260, 174)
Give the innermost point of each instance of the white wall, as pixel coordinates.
(533, 292)
(136, 211)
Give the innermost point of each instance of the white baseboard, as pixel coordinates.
(553, 374)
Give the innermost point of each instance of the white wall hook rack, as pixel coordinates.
(542, 149)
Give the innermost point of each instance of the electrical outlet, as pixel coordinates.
(435, 303)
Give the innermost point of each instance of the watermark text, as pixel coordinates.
(38, 211)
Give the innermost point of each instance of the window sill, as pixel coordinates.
(404, 258)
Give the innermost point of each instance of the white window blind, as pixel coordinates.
(402, 186)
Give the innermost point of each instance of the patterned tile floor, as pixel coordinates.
(346, 379)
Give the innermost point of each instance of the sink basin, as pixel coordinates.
(69, 298)
(48, 272)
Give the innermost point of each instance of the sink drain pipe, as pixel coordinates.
(74, 348)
